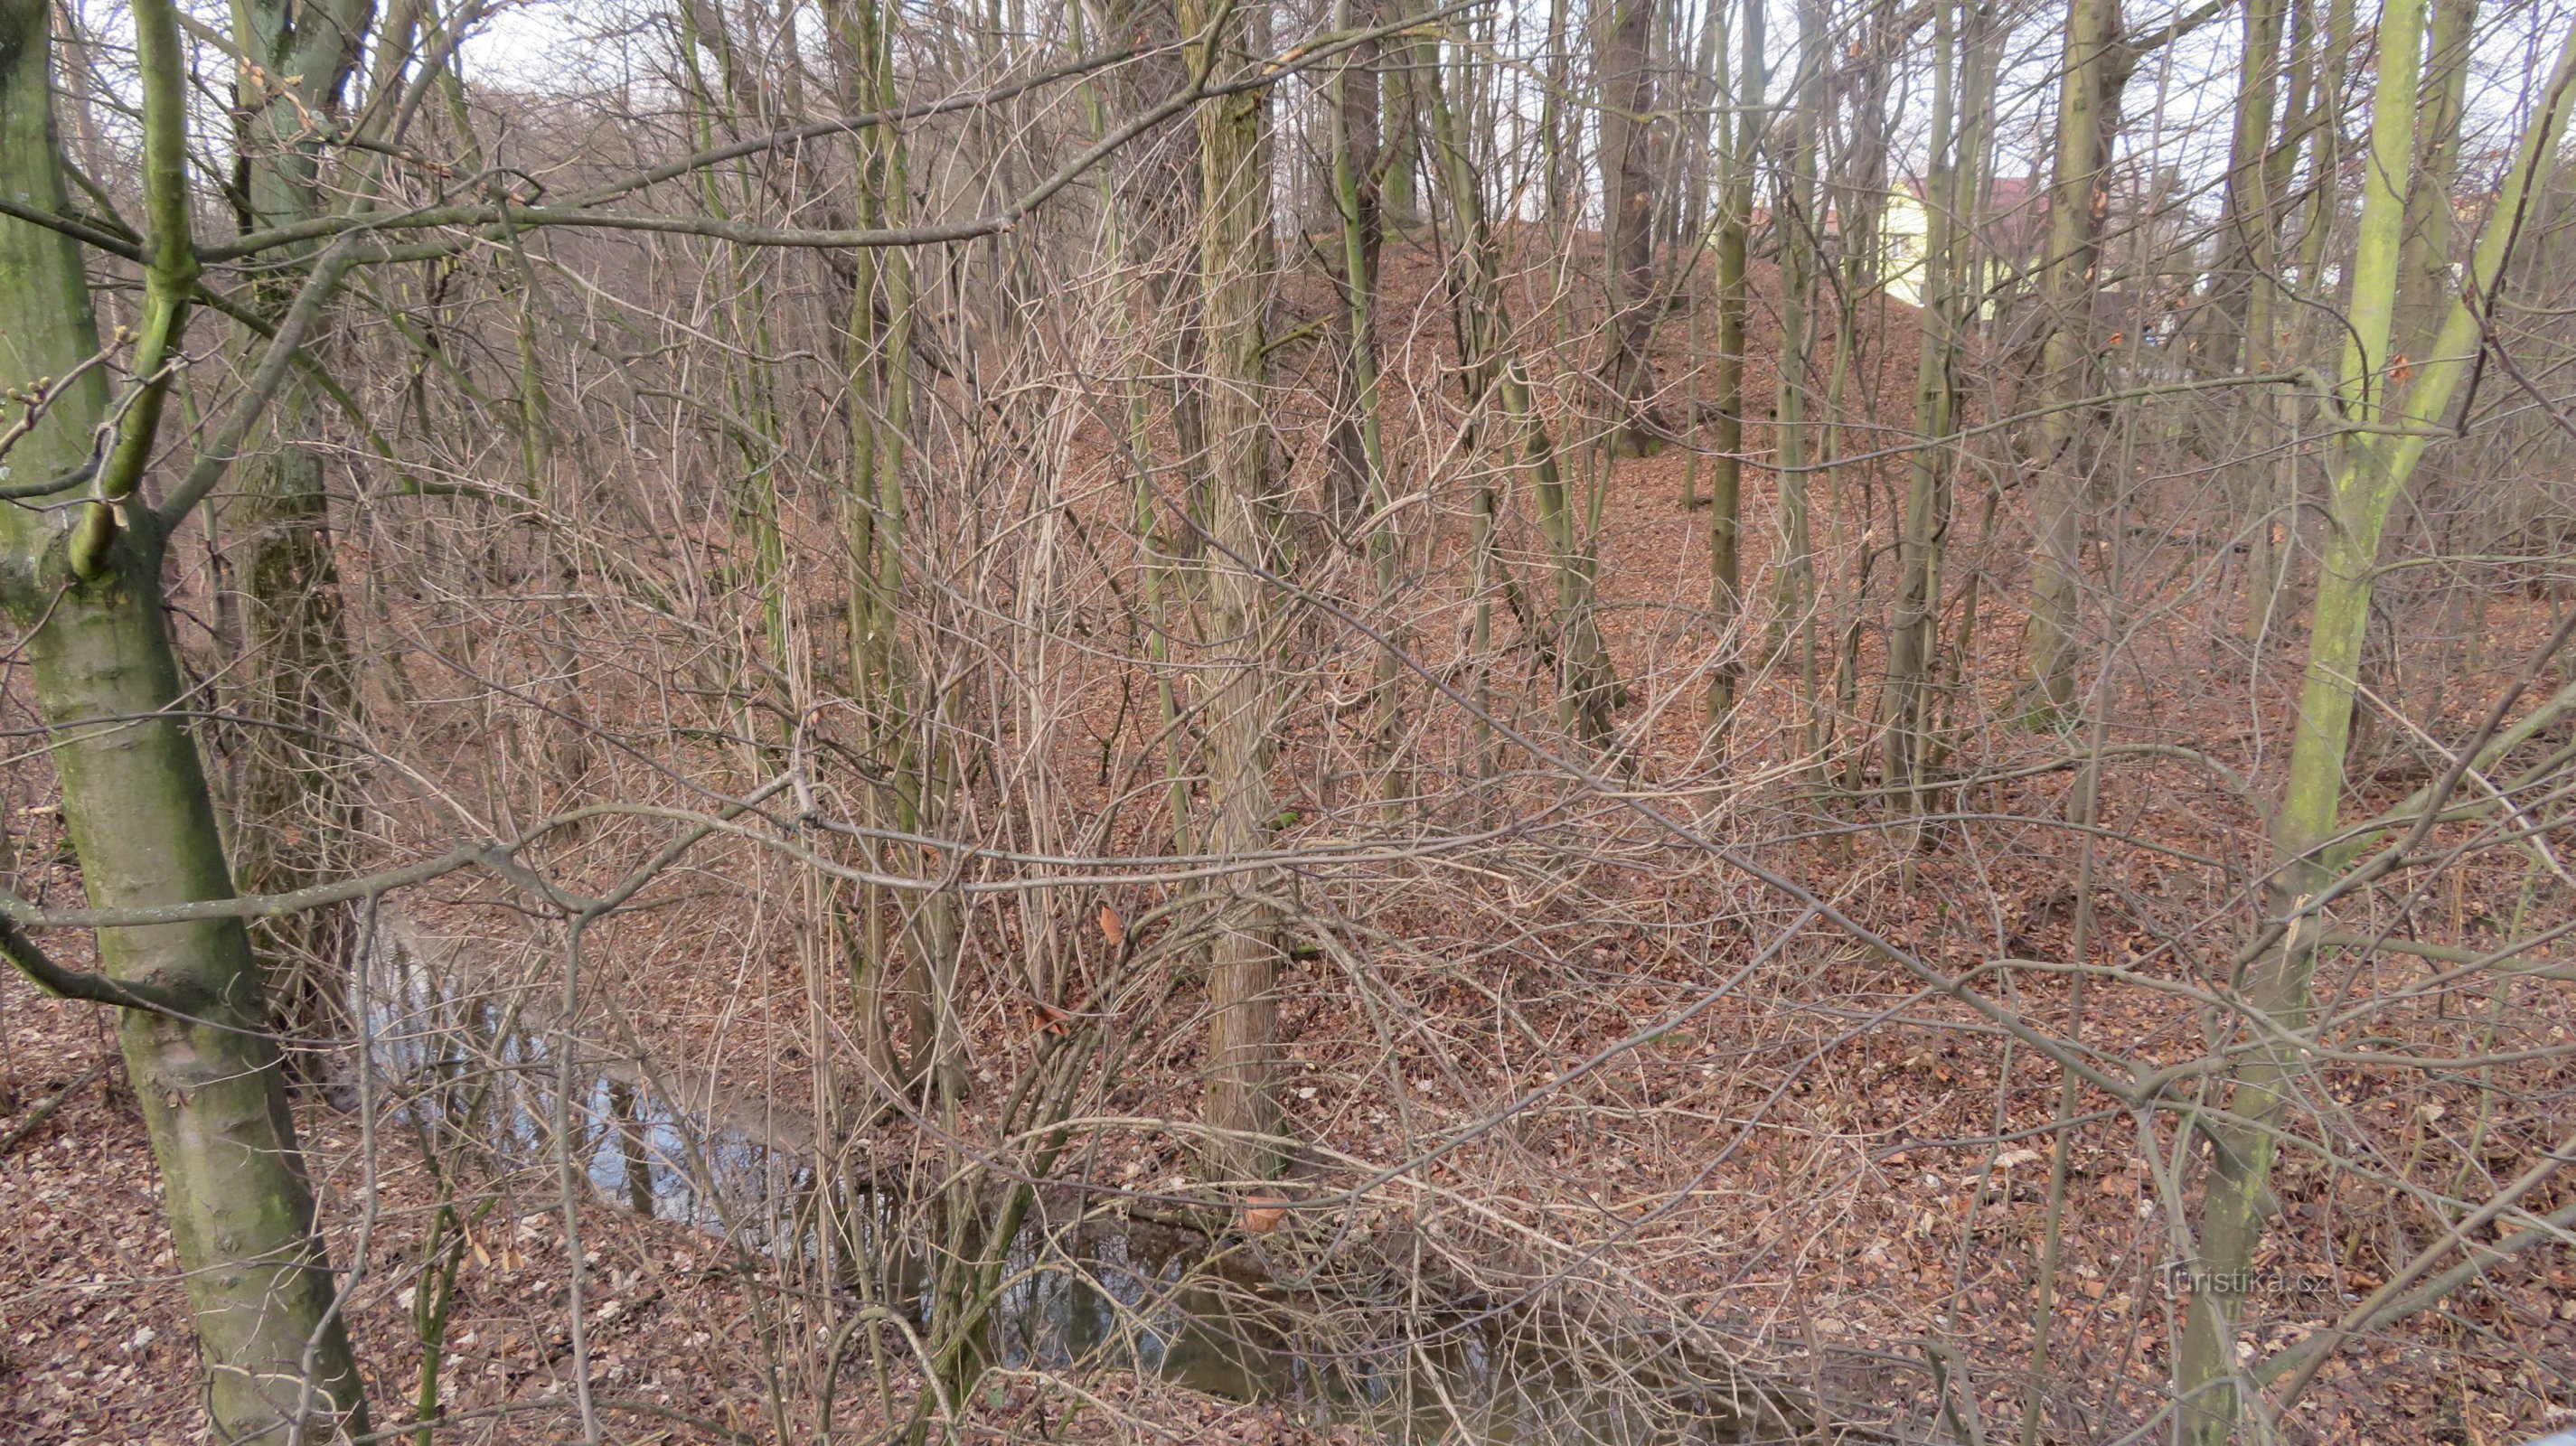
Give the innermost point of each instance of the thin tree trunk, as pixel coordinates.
(2277, 536)
(2256, 176)
(2248, 221)
(1854, 192)
(296, 808)
(2426, 285)
(1707, 83)
(2092, 69)
(1588, 686)
(1734, 299)
(906, 726)
(1628, 218)
(1793, 573)
(1400, 129)
(1353, 175)
(1133, 237)
(1358, 170)
(1959, 148)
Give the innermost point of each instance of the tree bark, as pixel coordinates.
(1240, 1104)
(1358, 171)
(296, 806)
(211, 1087)
(2093, 69)
(1628, 215)
(1734, 300)
(2388, 425)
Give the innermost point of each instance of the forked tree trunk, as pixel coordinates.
(2389, 423)
(212, 1090)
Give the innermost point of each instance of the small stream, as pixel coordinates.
(1106, 1293)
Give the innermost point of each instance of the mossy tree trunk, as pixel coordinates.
(2387, 426)
(84, 591)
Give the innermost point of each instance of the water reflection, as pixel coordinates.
(479, 1062)
(482, 1063)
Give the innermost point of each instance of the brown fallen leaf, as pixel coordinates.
(1262, 1214)
(1112, 928)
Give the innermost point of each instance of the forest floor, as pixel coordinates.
(1886, 1195)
